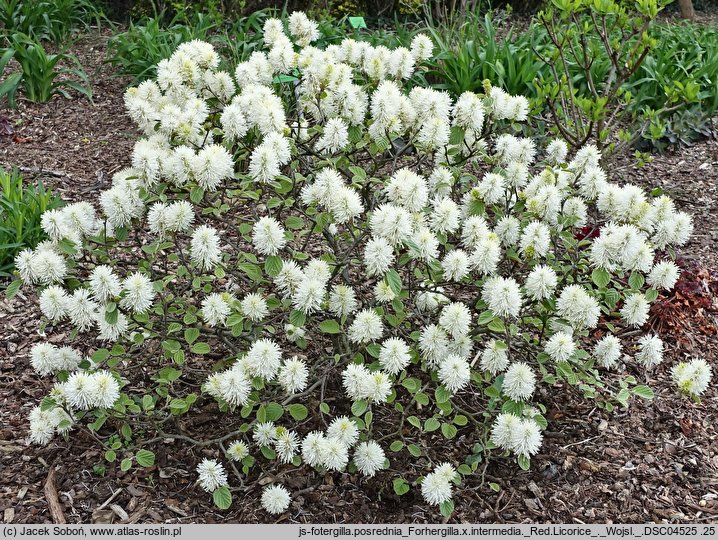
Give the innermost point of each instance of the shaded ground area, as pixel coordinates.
(656, 462)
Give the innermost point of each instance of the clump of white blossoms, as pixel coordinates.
(316, 239)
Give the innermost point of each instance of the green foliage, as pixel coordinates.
(39, 72)
(137, 51)
(21, 208)
(469, 53)
(48, 20)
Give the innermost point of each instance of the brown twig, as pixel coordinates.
(53, 502)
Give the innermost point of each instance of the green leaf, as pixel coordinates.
(636, 280)
(643, 391)
(396, 446)
(297, 318)
(145, 458)
(401, 486)
(125, 464)
(273, 265)
(431, 424)
(294, 222)
(457, 136)
(222, 497)
(442, 395)
(191, 335)
(297, 411)
(394, 281)
(411, 384)
(414, 450)
(110, 456)
(448, 430)
(200, 348)
(447, 508)
(252, 270)
(359, 407)
(524, 462)
(330, 326)
(13, 288)
(274, 411)
(600, 277)
(414, 421)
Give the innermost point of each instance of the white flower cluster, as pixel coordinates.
(409, 257)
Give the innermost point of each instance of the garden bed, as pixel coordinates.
(658, 463)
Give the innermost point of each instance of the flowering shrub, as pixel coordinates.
(346, 266)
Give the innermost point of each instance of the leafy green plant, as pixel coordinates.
(137, 51)
(469, 53)
(21, 209)
(39, 72)
(599, 46)
(48, 20)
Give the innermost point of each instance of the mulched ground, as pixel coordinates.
(657, 461)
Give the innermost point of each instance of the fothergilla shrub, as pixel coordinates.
(343, 265)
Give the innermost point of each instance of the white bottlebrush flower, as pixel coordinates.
(560, 347)
(211, 475)
(293, 375)
(635, 310)
(663, 275)
(422, 47)
(456, 319)
(369, 458)
(541, 282)
(204, 247)
(211, 165)
(356, 381)
(454, 373)
(486, 255)
(433, 343)
(234, 387)
(383, 292)
(237, 451)
(494, 357)
(111, 331)
(319, 270)
(508, 229)
(392, 223)
(286, 444)
(503, 429)
(607, 351)
(254, 307)
(650, 351)
(54, 303)
(104, 388)
(139, 293)
(378, 256)
(455, 265)
(692, 378)
(215, 309)
(502, 296)
(556, 152)
(265, 433)
(344, 430)
(342, 301)
(289, 278)
(445, 217)
(408, 190)
(104, 284)
(578, 307)
(334, 454)
(367, 327)
(43, 358)
(42, 425)
(378, 387)
(309, 295)
(268, 236)
(535, 240)
(394, 355)
(436, 488)
(48, 267)
(25, 267)
(519, 382)
(264, 359)
(312, 448)
(82, 309)
(79, 390)
(526, 438)
(263, 164)
(335, 136)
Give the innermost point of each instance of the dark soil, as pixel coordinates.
(657, 461)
